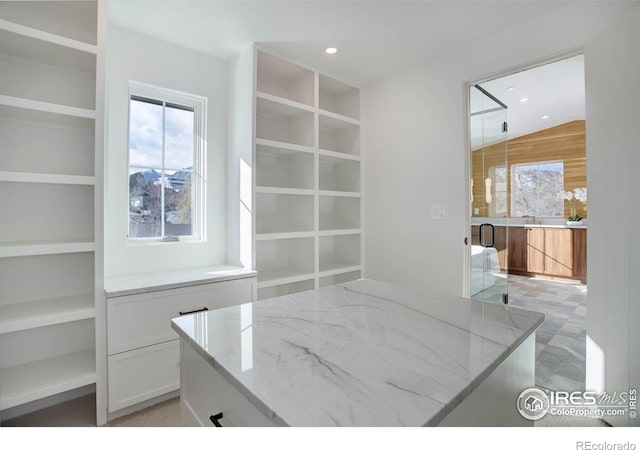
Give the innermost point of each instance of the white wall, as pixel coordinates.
(612, 61)
(416, 151)
(240, 174)
(132, 56)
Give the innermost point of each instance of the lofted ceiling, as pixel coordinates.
(554, 90)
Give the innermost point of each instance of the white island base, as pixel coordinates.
(204, 392)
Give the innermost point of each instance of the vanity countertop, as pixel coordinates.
(542, 225)
(502, 222)
(360, 353)
(117, 286)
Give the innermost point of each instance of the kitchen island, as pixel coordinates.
(364, 353)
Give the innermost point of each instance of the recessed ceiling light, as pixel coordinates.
(331, 50)
(545, 117)
(524, 99)
(510, 88)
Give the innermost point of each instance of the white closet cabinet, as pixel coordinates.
(51, 97)
(143, 351)
(307, 178)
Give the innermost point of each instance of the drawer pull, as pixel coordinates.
(194, 311)
(216, 419)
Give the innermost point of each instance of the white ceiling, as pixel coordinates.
(374, 38)
(555, 90)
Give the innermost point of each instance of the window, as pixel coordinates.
(498, 207)
(535, 188)
(166, 155)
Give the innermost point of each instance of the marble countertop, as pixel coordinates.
(364, 353)
(117, 286)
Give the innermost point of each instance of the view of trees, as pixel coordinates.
(536, 188)
(145, 203)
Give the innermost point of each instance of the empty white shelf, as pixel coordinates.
(339, 212)
(336, 267)
(275, 236)
(344, 277)
(40, 313)
(284, 260)
(339, 175)
(284, 145)
(32, 381)
(283, 101)
(339, 135)
(36, 105)
(44, 248)
(333, 154)
(285, 289)
(47, 178)
(47, 37)
(282, 213)
(38, 51)
(339, 232)
(340, 253)
(284, 79)
(274, 277)
(339, 97)
(279, 190)
(338, 120)
(340, 194)
(284, 123)
(284, 168)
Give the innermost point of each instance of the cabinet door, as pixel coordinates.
(535, 250)
(580, 254)
(500, 244)
(517, 250)
(475, 235)
(558, 252)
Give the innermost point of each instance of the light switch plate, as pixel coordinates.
(438, 212)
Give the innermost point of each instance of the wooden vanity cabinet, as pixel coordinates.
(553, 252)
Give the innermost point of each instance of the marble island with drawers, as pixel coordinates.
(364, 353)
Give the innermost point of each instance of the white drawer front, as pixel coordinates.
(140, 320)
(142, 374)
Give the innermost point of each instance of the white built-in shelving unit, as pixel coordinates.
(307, 178)
(50, 196)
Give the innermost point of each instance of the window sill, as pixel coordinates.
(143, 242)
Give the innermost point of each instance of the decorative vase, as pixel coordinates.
(573, 223)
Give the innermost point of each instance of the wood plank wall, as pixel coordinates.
(566, 142)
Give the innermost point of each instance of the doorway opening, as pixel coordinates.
(528, 207)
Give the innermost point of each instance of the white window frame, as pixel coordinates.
(198, 182)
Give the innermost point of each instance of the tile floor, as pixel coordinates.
(561, 339)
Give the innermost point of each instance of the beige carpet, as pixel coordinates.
(81, 412)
